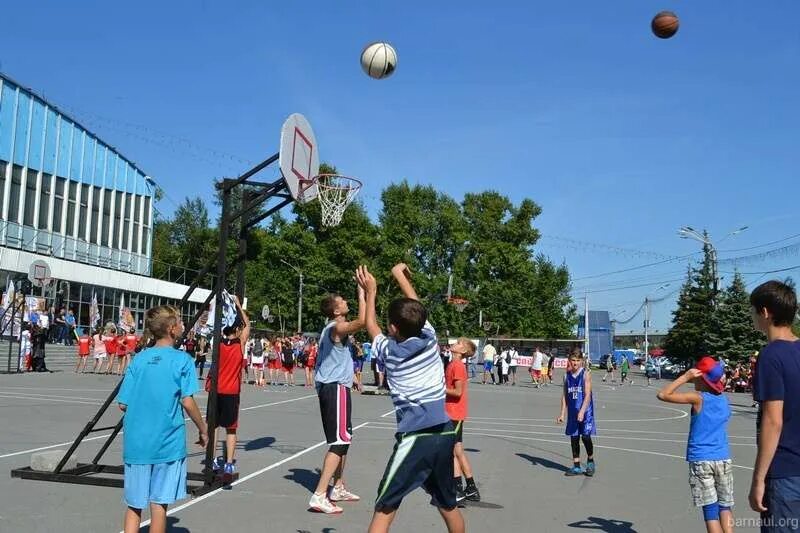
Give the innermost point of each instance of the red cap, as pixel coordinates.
(712, 372)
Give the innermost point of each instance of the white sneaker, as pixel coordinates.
(321, 504)
(341, 494)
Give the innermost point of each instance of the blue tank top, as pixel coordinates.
(334, 363)
(708, 430)
(575, 393)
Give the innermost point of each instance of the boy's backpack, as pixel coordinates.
(272, 355)
(258, 348)
(287, 356)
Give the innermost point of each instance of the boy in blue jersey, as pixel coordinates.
(423, 452)
(578, 408)
(707, 449)
(333, 380)
(158, 382)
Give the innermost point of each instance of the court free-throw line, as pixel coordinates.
(12, 454)
(273, 466)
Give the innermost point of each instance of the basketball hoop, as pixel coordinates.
(335, 193)
(459, 303)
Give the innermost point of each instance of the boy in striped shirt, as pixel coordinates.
(423, 453)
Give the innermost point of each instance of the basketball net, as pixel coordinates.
(459, 303)
(335, 193)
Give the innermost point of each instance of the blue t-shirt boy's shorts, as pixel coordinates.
(164, 483)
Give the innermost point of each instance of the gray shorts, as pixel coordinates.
(711, 482)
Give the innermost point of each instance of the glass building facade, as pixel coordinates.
(70, 199)
(65, 193)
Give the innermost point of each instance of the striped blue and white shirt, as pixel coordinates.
(416, 379)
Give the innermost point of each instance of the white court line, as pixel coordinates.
(278, 403)
(604, 430)
(51, 388)
(647, 452)
(174, 510)
(469, 430)
(46, 399)
(54, 396)
(387, 413)
(12, 454)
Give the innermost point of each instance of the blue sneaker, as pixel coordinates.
(218, 464)
(574, 471)
(227, 474)
(590, 469)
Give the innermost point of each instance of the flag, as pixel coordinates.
(94, 311)
(121, 319)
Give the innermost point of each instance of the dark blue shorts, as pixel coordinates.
(424, 459)
(782, 499)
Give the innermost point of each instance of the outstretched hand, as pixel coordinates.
(366, 280)
(401, 269)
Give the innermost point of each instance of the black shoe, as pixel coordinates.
(472, 493)
(460, 496)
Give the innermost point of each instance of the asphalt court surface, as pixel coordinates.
(517, 451)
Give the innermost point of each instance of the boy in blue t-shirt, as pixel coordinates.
(775, 488)
(159, 381)
(423, 453)
(707, 449)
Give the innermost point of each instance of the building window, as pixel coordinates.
(30, 198)
(127, 224)
(117, 219)
(44, 201)
(2, 182)
(58, 205)
(95, 214)
(71, 208)
(83, 212)
(145, 240)
(14, 198)
(106, 217)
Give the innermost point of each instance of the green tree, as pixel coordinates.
(732, 335)
(692, 320)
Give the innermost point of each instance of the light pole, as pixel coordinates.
(688, 232)
(647, 322)
(299, 296)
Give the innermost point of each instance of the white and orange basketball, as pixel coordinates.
(379, 60)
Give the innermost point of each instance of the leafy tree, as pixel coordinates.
(732, 335)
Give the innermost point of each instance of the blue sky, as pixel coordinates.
(619, 136)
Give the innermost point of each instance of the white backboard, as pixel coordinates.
(299, 157)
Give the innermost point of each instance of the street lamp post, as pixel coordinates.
(299, 296)
(688, 232)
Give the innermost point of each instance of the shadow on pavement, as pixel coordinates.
(609, 525)
(171, 521)
(547, 463)
(304, 477)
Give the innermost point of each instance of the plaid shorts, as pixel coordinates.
(711, 482)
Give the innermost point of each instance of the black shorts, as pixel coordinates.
(459, 425)
(228, 411)
(420, 459)
(335, 408)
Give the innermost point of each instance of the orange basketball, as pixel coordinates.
(665, 24)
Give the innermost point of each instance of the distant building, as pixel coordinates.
(635, 338)
(70, 199)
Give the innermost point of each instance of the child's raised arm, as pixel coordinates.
(402, 274)
(343, 329)
(369, 287)
(669, 394)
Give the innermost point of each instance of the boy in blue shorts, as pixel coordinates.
(154, 438)
(707, 449)
(578, 407)
(423, 453)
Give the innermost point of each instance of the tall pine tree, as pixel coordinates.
(733, 336)
(692, 320)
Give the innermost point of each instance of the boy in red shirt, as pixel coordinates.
(83, 352)
(229, 386)
(456, 380)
